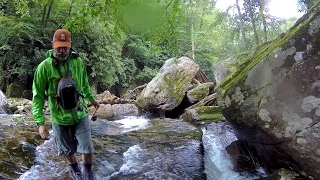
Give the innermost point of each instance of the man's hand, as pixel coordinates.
(43, 131)
(96, 105)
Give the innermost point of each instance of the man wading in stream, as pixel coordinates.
(64, 79)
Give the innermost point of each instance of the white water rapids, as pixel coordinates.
(137, 162)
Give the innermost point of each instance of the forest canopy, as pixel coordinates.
(124, 43)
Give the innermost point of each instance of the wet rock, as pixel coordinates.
(167, 90)
(125, 110)
(244, 159)
(274, 98)
(20, 105)
(202, 113)
(284, 174)
(200, 92)
(17, 150)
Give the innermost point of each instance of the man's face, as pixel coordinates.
(61, 53)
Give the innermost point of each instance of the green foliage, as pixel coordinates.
(124, 42)
(147, 74)
(127, 75)
(101, 51)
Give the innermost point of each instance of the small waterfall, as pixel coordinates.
(218, 164)
(3, 101)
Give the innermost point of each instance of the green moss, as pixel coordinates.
(204, 117)
(156, 122)
(200, 92)
(298, 31)
(286, 174)
(175, 86)
(140, 102)
(22, 120)
(208, 109)
(18, 120)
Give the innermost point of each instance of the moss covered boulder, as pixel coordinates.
(167, 90)
(27, 94)
(200, 92)
(14, 90)
(202, 113)
(273, 99)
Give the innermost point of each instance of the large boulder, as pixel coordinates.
(105, 111)
(120, 110)
(273, 100)
(167, 90)
(14, 90)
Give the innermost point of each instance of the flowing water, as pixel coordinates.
(121, 153)
(218, 164)
(3, 101)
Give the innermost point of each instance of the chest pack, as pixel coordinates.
(67, 93)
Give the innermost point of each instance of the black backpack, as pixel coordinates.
(67, 94)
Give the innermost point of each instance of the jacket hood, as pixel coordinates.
(49, 53)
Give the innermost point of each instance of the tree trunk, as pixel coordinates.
(44, 13)
(193, 49)
(262, 5)
(48, 13)
(253, 21)
(192, 42)
(94, 86)
(243, 34)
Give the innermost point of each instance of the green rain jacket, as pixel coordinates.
(46, 80)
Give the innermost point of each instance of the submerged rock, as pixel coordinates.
(273, 100)
(18, 140)
(244, 159)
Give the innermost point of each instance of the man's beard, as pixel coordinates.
(61, 56)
